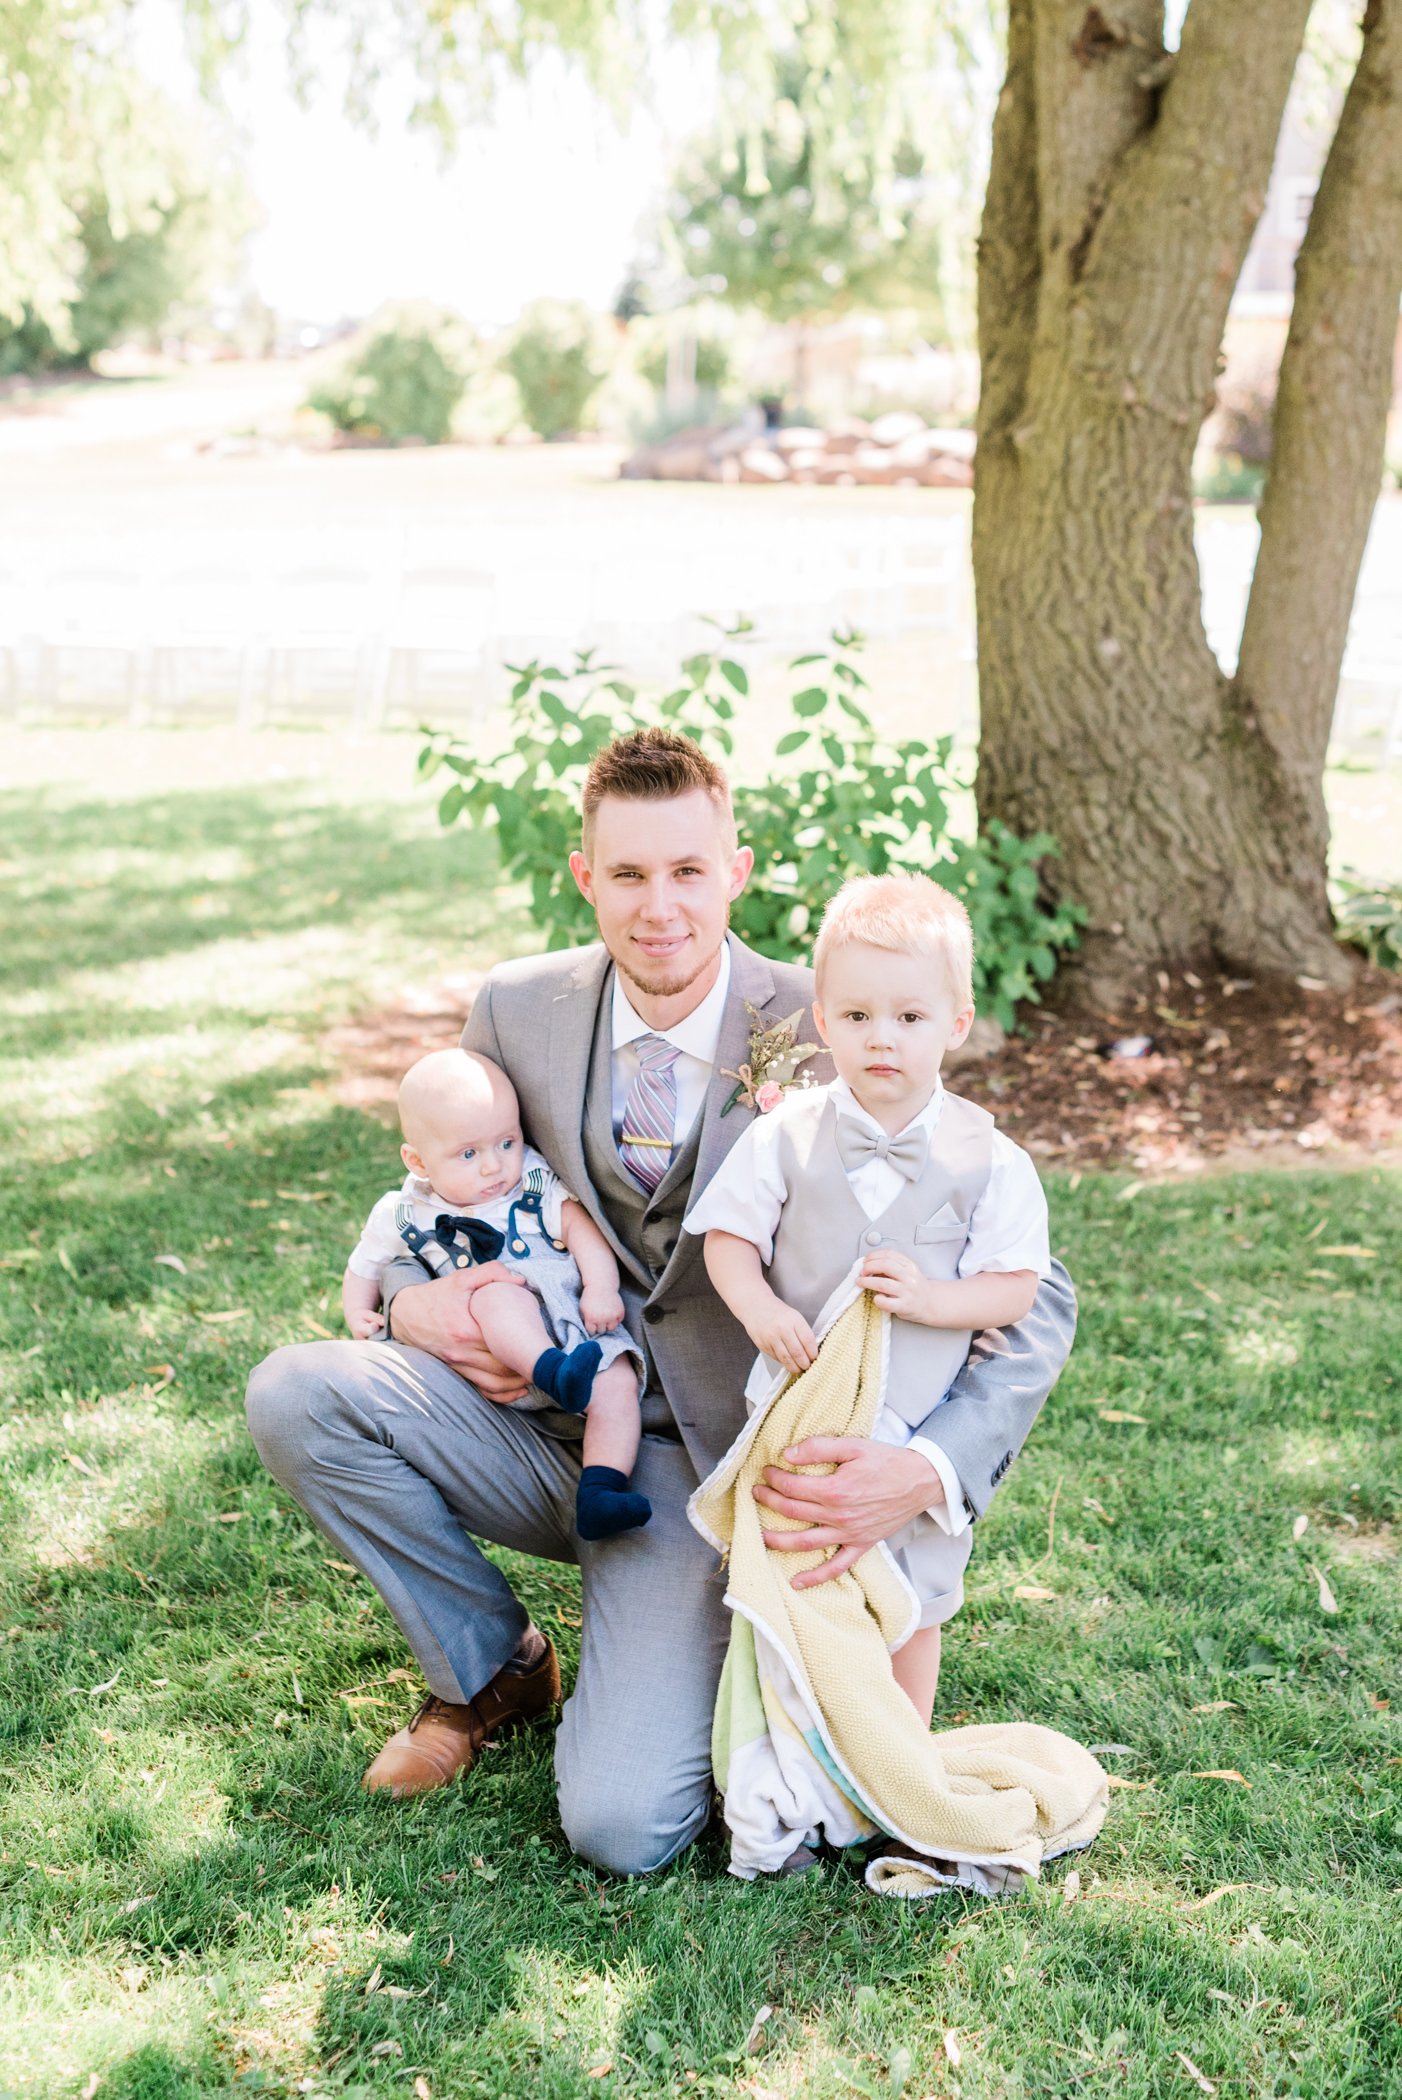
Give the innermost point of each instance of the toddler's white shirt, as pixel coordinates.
(1007, 1231)
(380, 1241)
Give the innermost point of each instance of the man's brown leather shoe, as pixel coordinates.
(442, 1740)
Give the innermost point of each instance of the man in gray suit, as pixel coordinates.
(397, 1449)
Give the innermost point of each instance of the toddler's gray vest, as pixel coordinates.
(824, 1230)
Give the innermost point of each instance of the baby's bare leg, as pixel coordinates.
(917, 1670)
(613, 1424)
(604, 1504)
(511, 1324)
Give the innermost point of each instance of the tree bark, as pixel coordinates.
(1335, 388)
(1124, 189)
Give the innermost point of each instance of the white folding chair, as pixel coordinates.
(92, 640)
(437, 646)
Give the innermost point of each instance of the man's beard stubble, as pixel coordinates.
(670, 987)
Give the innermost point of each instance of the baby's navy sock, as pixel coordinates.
(569, 1380)
(603, 1506)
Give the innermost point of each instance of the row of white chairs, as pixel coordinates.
(370, 642)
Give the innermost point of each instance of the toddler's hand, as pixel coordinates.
(898, 1285)
(366, 1325)
(785, 1335)
(601, 1308)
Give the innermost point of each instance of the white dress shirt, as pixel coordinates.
(1007, 1231)
(697, 1038)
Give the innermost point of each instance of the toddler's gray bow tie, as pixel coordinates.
(906, 1153)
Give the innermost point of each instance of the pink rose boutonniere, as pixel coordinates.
(772, 1066)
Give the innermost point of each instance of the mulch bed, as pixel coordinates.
(1236, 1073)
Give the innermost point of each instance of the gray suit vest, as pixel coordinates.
(824, 1230)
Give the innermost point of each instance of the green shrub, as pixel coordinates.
(712, 371)
(1369, 914)
(551, 359)
(403, 384)
(857, 804)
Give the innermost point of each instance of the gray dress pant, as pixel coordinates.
(397, 1459)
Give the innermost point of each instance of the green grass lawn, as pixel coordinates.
(194, 1895)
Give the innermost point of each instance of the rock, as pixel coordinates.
(896, 424)
(798, 438)
(758, 463)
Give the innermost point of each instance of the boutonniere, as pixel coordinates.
(772, 1066)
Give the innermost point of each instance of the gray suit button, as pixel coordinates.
(873, 1239)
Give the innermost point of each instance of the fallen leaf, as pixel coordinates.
(1071, 1887)
(105, 1735)
(172, 1261)
(1225, 1773)
(754, 2039)
(1206, 1292)
(1216, 1706)
(132, 1978)
(1033, 1592)
(1378, 1704)
(952, 2049)
(230, 1516)
(374, 1980)
(94, 2081)
(1326, 1595)
(388, 2049)
(1113, 1779)
(1117, 1414)
(1300, 1526)
(81, 1464)
(1358, 1253)
(347, 1569)
(1194, 2073)
(422, 2090)
(257, 1203)
(364, 1701)
(316, 1328)
(396, 1990)
(222, 1319)
(1228, 1888)
(600, 2070)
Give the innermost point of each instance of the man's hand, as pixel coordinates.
(601, 1308)
(437, 1317)
(874, 1492)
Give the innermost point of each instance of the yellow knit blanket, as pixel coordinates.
(813, 1735)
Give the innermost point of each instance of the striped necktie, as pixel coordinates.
(650, 1113)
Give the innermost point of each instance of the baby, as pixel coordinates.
(475, 1193)
(884, 1179)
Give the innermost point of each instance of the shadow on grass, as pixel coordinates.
(97, 885)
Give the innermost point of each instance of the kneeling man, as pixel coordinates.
(398, 1448)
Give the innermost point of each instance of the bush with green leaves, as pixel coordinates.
(404, 383)
(551, 359)
(1369, 914)
(855, 804)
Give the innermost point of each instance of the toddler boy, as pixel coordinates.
(476, 1192)
(885, 1176)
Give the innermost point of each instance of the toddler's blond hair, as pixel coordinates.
(907, 914)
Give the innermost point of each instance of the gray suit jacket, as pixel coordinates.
(536, 1017)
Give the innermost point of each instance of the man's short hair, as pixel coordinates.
(907, 914)
(654, 765)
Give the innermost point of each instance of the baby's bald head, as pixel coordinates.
(457, 1090)
(462, 1126)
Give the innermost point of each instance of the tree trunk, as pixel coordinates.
(1330, 431)
(1124, 189)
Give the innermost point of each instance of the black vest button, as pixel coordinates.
(653, 1313)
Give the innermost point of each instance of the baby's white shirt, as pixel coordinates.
(380, 1241)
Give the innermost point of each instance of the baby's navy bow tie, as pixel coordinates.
(484, 1239)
